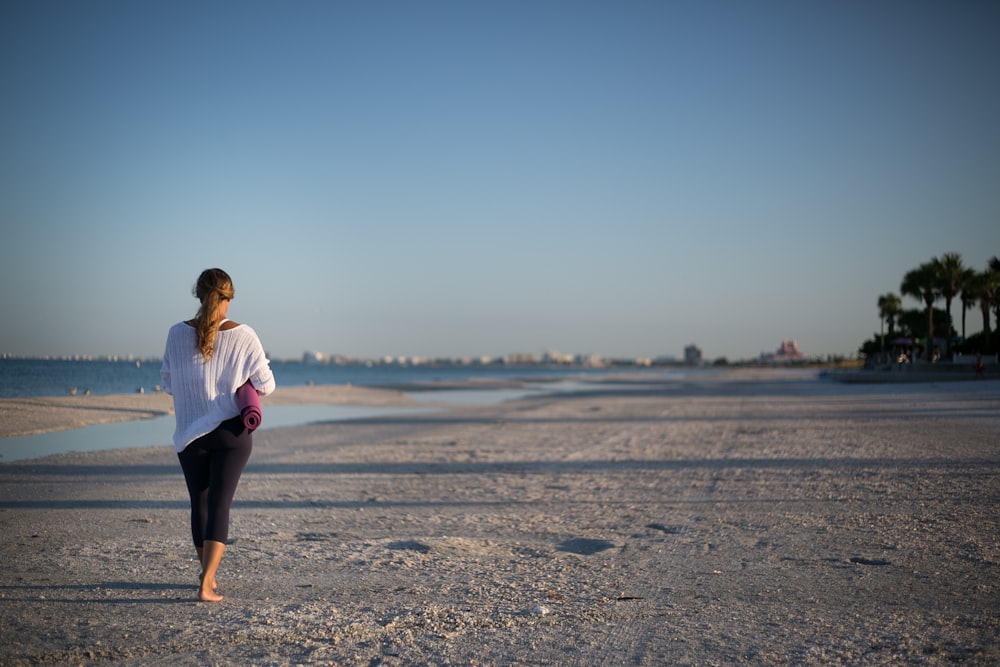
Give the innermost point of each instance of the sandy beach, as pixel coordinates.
(748, 518)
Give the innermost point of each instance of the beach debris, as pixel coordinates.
(540, 610)
(585, 546)
(669, 530)
(409, 545)
(858, 560)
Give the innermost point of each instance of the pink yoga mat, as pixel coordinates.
(249, 402)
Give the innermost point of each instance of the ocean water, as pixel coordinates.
(35, 377)
(22, 378)
(158, 432)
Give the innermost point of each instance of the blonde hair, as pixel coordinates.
(213, 287)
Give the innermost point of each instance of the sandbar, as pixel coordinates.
(44, 414)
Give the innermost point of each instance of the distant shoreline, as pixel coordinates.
(44, 414)
(942, 372)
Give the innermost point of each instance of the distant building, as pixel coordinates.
(314, 358)
(557, 358)
(787, 353)
(590, 360)
(692, 355)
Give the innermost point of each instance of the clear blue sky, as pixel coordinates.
(479, 178)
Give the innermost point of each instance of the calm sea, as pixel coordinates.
(34, 377)
(21, 378)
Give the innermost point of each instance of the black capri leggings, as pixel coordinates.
(212, 466)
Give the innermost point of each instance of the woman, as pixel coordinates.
(206, 360)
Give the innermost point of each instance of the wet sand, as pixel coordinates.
(756, 518)
(31, 416)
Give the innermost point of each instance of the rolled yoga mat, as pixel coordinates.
(249, 403)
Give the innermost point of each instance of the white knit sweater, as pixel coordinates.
(205, 393)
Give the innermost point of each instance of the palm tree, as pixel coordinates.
(950, 271)
(984, 287)
(968, 295)
(922, 284)
(889, 307)
(994, 268)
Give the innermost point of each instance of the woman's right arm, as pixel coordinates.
(165, 369)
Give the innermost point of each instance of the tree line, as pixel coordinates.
(930, 330)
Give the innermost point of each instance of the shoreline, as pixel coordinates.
(47, 414)
(923, 372)
(770, 518)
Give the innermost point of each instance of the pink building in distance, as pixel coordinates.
(788, 352)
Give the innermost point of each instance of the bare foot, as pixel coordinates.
(208, 595)
(201, 578)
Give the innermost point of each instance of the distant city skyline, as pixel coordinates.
(692, 356)
(448, 179)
